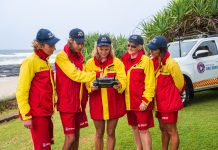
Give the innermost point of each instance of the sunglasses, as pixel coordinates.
(131, 46)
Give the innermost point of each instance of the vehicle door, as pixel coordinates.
(206, 64)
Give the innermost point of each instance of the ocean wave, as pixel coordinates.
(15, 55)
(10, 61)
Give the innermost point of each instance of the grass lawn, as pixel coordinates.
(198, 129)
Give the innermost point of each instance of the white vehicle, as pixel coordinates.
(198, 62)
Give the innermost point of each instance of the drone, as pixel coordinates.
(105, 82)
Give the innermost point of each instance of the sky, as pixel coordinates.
(20, 20)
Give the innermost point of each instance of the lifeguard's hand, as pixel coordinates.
(142, 107)
(104, 75)
(117, 86)
(27, 123)
(94, 88)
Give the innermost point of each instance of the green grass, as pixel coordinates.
(198, 129)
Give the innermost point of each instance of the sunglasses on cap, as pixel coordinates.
(131, 46)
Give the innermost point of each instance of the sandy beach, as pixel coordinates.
(8, 87)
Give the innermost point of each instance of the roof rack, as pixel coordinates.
(195, 36)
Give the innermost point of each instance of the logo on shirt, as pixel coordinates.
(111, 68)
(138, 65)
(43, 68)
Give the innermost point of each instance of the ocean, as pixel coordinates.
(10, 61)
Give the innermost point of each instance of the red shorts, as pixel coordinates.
(142, 119)
(73, 121)
(42, 133)
(171, 117)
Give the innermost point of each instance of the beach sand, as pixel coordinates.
(8, 87)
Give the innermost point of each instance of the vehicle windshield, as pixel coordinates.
(186, 46)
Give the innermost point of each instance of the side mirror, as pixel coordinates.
(201, 53)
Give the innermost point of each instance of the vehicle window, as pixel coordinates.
(185, 48)
(210, 46)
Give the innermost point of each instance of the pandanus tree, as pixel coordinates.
(182, 18)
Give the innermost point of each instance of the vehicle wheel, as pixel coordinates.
(187, 94)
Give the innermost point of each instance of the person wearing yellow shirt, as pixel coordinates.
(70, 87)
(169, 86)
(35, 91)
(139, 92)
(107, 105)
